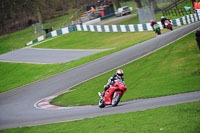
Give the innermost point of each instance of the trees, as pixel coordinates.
(138, 3)
(18, 14)
(38, 11)
(117, 3)
(153, 3)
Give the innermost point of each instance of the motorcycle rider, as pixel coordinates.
(163, 19)
(152, 23)
(118, 76)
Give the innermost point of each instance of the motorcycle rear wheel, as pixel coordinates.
(116, 99)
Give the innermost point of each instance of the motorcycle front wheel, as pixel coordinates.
(101, 103)
(116, 99)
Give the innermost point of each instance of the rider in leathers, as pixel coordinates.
(118, 76)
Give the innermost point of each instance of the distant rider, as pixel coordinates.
(152, 23)
(163, 19)
(118, 76)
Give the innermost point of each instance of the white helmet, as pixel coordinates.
(120, 72)
(162, 17)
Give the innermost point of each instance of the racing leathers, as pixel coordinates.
(112, 80)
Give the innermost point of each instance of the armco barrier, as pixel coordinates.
(118, 28)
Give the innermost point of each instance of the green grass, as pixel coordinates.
(173, 69)
(17, 74)
(183, 118)
(95, 40)
(18, 39)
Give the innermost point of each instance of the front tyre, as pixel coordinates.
(101, 103)
(116, 99)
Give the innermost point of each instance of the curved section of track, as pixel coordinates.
(16, 106)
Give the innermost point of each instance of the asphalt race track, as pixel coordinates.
(45, 56)
(17, 106)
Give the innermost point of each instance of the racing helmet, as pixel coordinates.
(120, 73)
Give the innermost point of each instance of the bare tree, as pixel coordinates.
(38, 11)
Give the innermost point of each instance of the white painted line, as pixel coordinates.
(41, 42)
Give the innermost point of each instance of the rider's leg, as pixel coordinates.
(106, 87)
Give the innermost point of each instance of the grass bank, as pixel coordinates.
(17, 74)
(173, 69)
(181, 118)
(95, 40)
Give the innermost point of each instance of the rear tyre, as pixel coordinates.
(116, 99)
(101, 103)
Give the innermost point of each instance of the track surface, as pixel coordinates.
(45, 56)
(16, 106)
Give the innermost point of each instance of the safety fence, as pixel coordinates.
(118, 28)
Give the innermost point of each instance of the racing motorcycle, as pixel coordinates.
(113, 95)
(168, 24)
(157, 29)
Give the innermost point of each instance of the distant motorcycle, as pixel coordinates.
(168, 24)
(157, 29)
(113, 94)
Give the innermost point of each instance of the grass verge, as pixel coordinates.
(95, 40)
(183, 118)
(173, 69)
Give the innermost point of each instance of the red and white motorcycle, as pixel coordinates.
(168, 24)
(113, 94)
